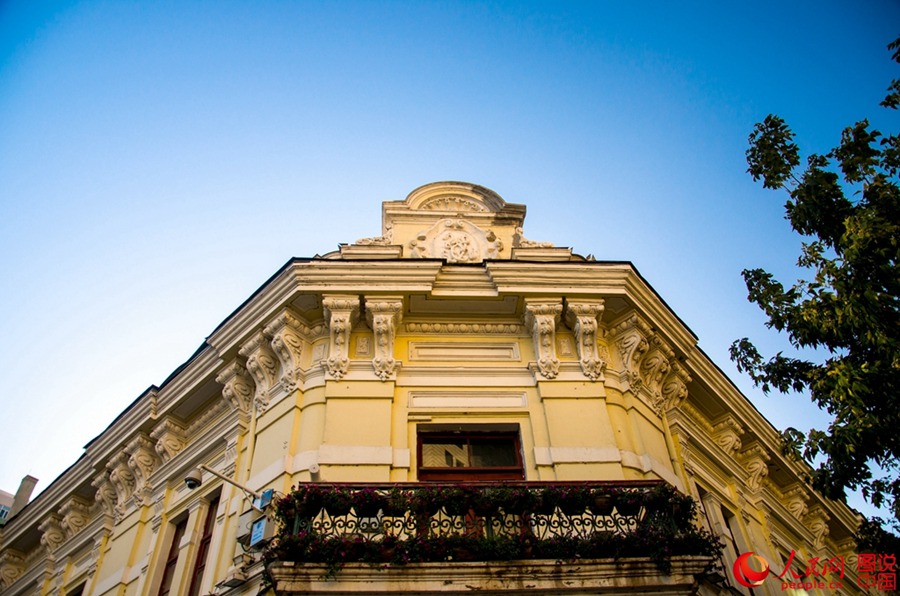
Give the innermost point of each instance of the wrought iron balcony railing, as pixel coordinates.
(485, 521)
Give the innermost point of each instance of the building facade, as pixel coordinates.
(449, 348)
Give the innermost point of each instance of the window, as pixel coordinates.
(467, 453)
(172, 558)
(203, 548)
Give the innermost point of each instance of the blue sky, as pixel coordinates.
(160, 160)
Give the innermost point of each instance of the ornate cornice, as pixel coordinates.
(583, 318)
(465, 328)
(383, 315)
(649, 364)
(541, 316)
(341, 313)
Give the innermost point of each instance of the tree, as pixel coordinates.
(846, 203)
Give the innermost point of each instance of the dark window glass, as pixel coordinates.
(172, 559)
(469, 456)
(203, 548)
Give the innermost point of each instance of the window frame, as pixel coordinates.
(469, 473)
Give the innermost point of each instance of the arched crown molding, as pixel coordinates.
(457, 197)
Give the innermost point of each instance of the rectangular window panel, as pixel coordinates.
(469, 455)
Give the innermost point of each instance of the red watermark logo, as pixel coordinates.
(873, 571)
(746, 575)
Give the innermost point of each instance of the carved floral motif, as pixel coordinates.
(288, 331)
(519, 240)
(631, 341)
(52, 533)
(584, 318)
(238, 386)
(12, 566)
(262, 364)
(726, 432)
(795, 500)
(453, 203)
(105, 496)
(123, 480)
(170, 439)
(755, 460)
(341, 313)
(817, 522)
(649, 364)
(542, 317)
(461, 328)
(76, 514)
(142, 461)
(457, 241)
(383, 315)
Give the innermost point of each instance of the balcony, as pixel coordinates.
(560, 537)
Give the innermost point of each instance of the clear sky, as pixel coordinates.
(160, 160)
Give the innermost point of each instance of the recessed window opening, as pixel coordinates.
(470, 453)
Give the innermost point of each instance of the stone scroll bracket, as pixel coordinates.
(262, 364)
(755, 458)
(584, 317)
(142, 461)
(341, 313)
(289, 334)
(170, 436)
(238, 388)
(649, 366)
(541, 317)
(383, 314)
